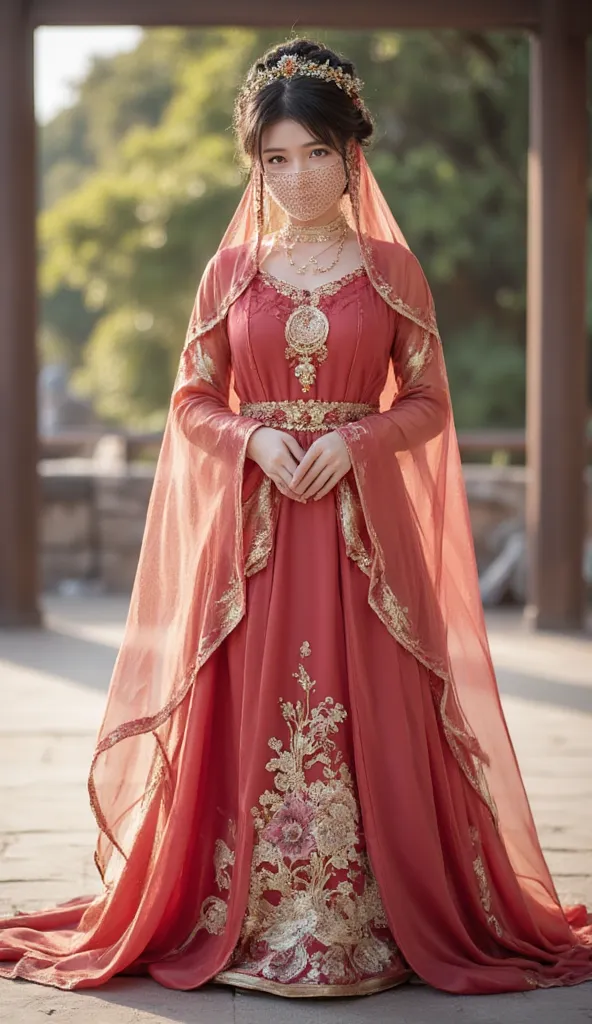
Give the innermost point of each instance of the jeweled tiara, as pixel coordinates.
(292, 66)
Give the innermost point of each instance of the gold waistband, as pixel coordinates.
(302, 414)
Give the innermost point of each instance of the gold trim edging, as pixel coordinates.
(233, 607)
(395, 618)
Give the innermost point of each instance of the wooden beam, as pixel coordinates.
(556, 385)
(18, 364)
(466, 14)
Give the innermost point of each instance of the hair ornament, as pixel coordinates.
(293, 65)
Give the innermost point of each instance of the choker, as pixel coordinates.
(317, 233)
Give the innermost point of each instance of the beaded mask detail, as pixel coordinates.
(307, 194)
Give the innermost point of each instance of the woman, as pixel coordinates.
(303, 781)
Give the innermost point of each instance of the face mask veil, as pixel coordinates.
(307, 194)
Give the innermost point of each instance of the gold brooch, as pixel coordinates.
(306, 332)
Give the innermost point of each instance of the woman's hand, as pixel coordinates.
(324, 464)
(278, 454)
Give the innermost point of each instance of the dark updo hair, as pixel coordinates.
(318, 105)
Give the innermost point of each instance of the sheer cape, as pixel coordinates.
(210, 524)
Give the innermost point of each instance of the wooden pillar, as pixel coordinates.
(556, 380)
(18, 364)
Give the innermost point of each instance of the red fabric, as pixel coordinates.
(379, 579)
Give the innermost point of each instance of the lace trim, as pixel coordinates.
(311, 294)
(301, 414)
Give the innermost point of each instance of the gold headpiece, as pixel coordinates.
(292, 66)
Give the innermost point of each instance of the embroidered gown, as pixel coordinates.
(325, 836)
(330, 860)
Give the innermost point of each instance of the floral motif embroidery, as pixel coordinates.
(314, 912)
(484, 890)
(302, 414)
(213, 911)
(204, 365)
(417, 360)
(259, 517)
(231, 604)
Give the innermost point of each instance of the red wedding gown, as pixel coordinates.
(323, 839)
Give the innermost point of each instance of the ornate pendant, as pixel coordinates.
(306, 331)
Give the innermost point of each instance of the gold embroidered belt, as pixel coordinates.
(302, 414)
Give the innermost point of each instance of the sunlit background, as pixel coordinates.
(63, 56)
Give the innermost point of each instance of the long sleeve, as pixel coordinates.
(200, 399)
(420, 409)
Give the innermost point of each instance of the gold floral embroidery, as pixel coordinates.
(259, 516)
(313, 295)
(484, 890)
(314, 912)
(395, 617)
(213, 912)
(350, 514)
(302, 414)
(417, 360)
(204, 365)
(231, 604)
(381, 597)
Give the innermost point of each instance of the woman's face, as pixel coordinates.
(288, 146)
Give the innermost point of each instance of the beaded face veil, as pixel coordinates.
(307, 194)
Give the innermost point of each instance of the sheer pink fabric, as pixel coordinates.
(209, 533)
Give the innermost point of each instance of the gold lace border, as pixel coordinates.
(303, 989)
(303, 414)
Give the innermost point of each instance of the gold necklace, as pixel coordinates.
(314, 233)
(290, 234)
(313, 261)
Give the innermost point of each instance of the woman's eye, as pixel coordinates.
(272, 159)
(323, 152)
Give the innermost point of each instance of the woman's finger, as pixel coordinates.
(320, 480)
(309, 460)
(333, 480)
(284, 485)
(304, 475)
(285, 475)
(294, 448)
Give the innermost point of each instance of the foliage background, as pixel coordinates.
(139, 178)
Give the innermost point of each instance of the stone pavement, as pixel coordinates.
(52, 688)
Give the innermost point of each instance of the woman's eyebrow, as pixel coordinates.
(279, 149)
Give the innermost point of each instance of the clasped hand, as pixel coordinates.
(297, 473)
